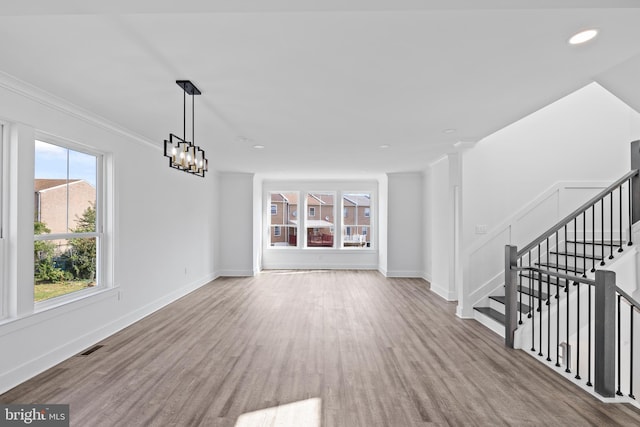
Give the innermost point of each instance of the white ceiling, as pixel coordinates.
(321, 84)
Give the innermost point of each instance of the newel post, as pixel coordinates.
(511, 294)
(605, 333)
(635, 183)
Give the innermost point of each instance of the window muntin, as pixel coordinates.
(320, 223)
(66, 217)
(283, 226)
(357, 220)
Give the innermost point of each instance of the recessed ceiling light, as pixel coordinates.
(449, 131)
(583, 36)
(258, 146)
(384, 146)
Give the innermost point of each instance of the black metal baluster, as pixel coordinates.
(584, 243)
(631, 353)
(520, 296)
(558, 302)
(531, 278)
(619, 392)
(602, 231)
(575, 246)
(540, 306)
(577, 285)
(568, 294)
(593, 238)
(630, 213)
(611, 222)
(566, 259)
(589, 339)
(533, 318)
(549, 308)
(558, 264)
(620, 227)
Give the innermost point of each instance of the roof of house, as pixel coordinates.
(41, 184)
(357, 200)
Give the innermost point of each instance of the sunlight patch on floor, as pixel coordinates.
(302, 413)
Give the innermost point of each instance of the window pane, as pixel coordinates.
(65, 189)
(283, 219)
(320, 219)
(357, 220)
(65, 202)
(63, 266)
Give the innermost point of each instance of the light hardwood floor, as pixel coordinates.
(374, 351)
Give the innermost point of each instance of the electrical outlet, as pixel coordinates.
(481, 228)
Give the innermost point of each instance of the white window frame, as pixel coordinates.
(270, 227)
(274, 209)
(371, 227)
(102, 261)
(312, 211)
(367, 212)
(276, 231)
(304, 188)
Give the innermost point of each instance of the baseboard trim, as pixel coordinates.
(401, 273)
(40, 364)
(443, 292)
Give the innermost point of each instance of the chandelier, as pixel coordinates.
(185, 155)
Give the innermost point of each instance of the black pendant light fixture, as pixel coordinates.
(185, 155)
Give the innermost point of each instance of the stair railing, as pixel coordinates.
(606, 361)
(582, 240)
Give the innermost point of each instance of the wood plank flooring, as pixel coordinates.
(375, 351)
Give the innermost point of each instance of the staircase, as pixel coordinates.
(577, 257)
(559, 301)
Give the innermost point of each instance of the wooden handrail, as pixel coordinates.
(577, 212)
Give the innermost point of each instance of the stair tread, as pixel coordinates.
(573, 254)
(491, 313)
(501, 299)
(561, 267)
(551, 280)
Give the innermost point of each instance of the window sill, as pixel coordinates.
(47, 310)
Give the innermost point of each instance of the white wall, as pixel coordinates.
(522, 179)
(584, 136)
(405, 225)
(162, 235)
(440, 233)
(236, 224)
(428, 209)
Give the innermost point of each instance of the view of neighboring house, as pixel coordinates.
(319, 219)
(356, 220)
(60, 202)
(284, 211)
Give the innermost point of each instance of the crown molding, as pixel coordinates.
(54, 102)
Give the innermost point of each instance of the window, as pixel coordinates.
(283, 227)
(345, 212)
(320, 232)
(356, 224)
(67, 215)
